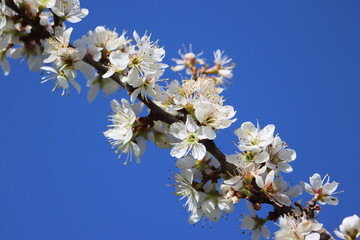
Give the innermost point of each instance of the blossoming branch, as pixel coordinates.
(183, 116)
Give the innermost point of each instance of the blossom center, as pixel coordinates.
(192, 138)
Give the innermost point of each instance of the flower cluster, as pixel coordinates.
(184, 116)
(254, 223)
(121, 134)
(66, 61)
(262, 159)
(194, 65)
(301, 228)
(21, 41)
(198, 182)
(16, 39)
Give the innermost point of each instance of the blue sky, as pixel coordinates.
(297, 67)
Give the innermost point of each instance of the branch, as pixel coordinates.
(157, 113)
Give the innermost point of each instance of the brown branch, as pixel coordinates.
(158, 113)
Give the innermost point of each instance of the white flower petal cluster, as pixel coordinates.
(60, 41)
(145, 68)
(59, 79)
(215, 115)
(201, 89)
(10, 44)
(199, 97)
(349, 228)
(222, 67)
(145, 85)
(138, 65)
(204, 199)
(102, 44)
(263, 157)
(190, 135)
(148, 55)
(254, 223)
(120, 132)
(2, 15)
(213, 207)
(66, 60)
(188, 59)
(118, 62)
(248, 158)
(4, 52)
(322, 190)
(160, 135)
(194, 65)
(261, 149)
(254, 138)
(301, 228)
(31, 52)
(184, 189)
(102, 41)
(231, 186)
(69, 10)
(96, 83)
(222, 62)
(276, 189)
(44, 3)
(280, 156)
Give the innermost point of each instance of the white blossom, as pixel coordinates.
(300, 229)
(120, 132)
(214, 203)
(134, 148)
(118, 62)
(221, 63)
(214, 115)
(59, 79)
(213, 207)
(349, 228)
(145, 85)
(248, 158)
(160, 135)
(96, 83)
(190, 134)
(254, 223)
(69, 10)
(188, 59)
(254, 138)
(171, 100)
(123, 120)
(277, 189)
(55, 44)
(146, 59)
(230, 186)
(46, 20)
(101, 41)
(280, 156)
(195, 216)
(184, 188)
(322, 192)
